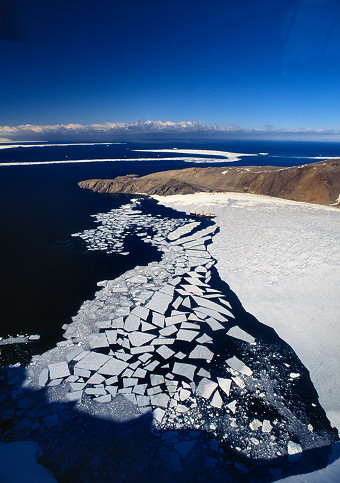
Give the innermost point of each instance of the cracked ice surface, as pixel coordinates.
(155, 338)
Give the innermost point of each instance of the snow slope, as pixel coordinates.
(282, 259)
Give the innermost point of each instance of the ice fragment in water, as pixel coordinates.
(113, 367)
(217, 401)
(132, 323)
(239, 366)
(201, 352)
(159, 302)
(238, 333)
(224, 384)
(59, 369)
(140, 338)
(186, 370)
(165, 352)
(205, 388)
(294, 448)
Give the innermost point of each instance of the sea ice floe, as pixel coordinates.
(165, 352)
(113, 367)
(239, 366)
(201, 352)
(238, 333)
(159, 302)
(205, 388)
(217, 401)
(188, 335)
(98, 340)
(140, 338)
(185, 370)
(224, 384)
(58, 370)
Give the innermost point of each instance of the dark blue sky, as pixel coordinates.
(249, 63)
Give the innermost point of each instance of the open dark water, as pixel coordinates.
(45, 273)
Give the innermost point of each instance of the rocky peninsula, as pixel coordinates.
(313, 183)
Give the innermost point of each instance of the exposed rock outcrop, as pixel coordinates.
(313, 183)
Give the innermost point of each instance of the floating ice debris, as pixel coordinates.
(187, 335)
(159, 302)
(43, 377)
(140, 338)
(239, 382)
(239, 366)
(255, 425)
(132, 323)
(201, 352)
(181, 231)
(238, 333)
(185, 370)
(224, 384)
(294, 448)
(266, 426)
(205, 388)
(165, 352)
(58, 370)
(98, 340)
(232, 406)
(217, 401)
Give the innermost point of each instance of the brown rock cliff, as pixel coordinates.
(313, 183)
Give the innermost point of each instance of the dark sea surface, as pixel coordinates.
(45, 273)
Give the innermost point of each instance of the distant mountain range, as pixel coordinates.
(312, 183)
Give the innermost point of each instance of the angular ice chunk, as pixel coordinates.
(238, 333)
(140, 389)
(97, 340)
(58, 370)
(152, 366)
(160, 400)
(146, 326)
(117, 323)
(43, 377)
(217, 401)
(266, 426)
(204, 339)
(141, 373)
(186, 370)
(140, 338)
(143, 401)
(214, 324)
(111, 336)
(143, 348)
(211, 305)
(294, 448)
(205, 388)
(239, 366)
(141, 312)
(132, 323)
(165, 352)
(232, 406)
(168, 330)
(187, 335)
(175, 319)
(224, 384)
(159, 302)
(201, 352)
(113, 367)
(158, 319)
(255, 424)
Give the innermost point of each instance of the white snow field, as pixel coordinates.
(282, 259)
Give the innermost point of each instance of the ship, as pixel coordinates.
(202, 215)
